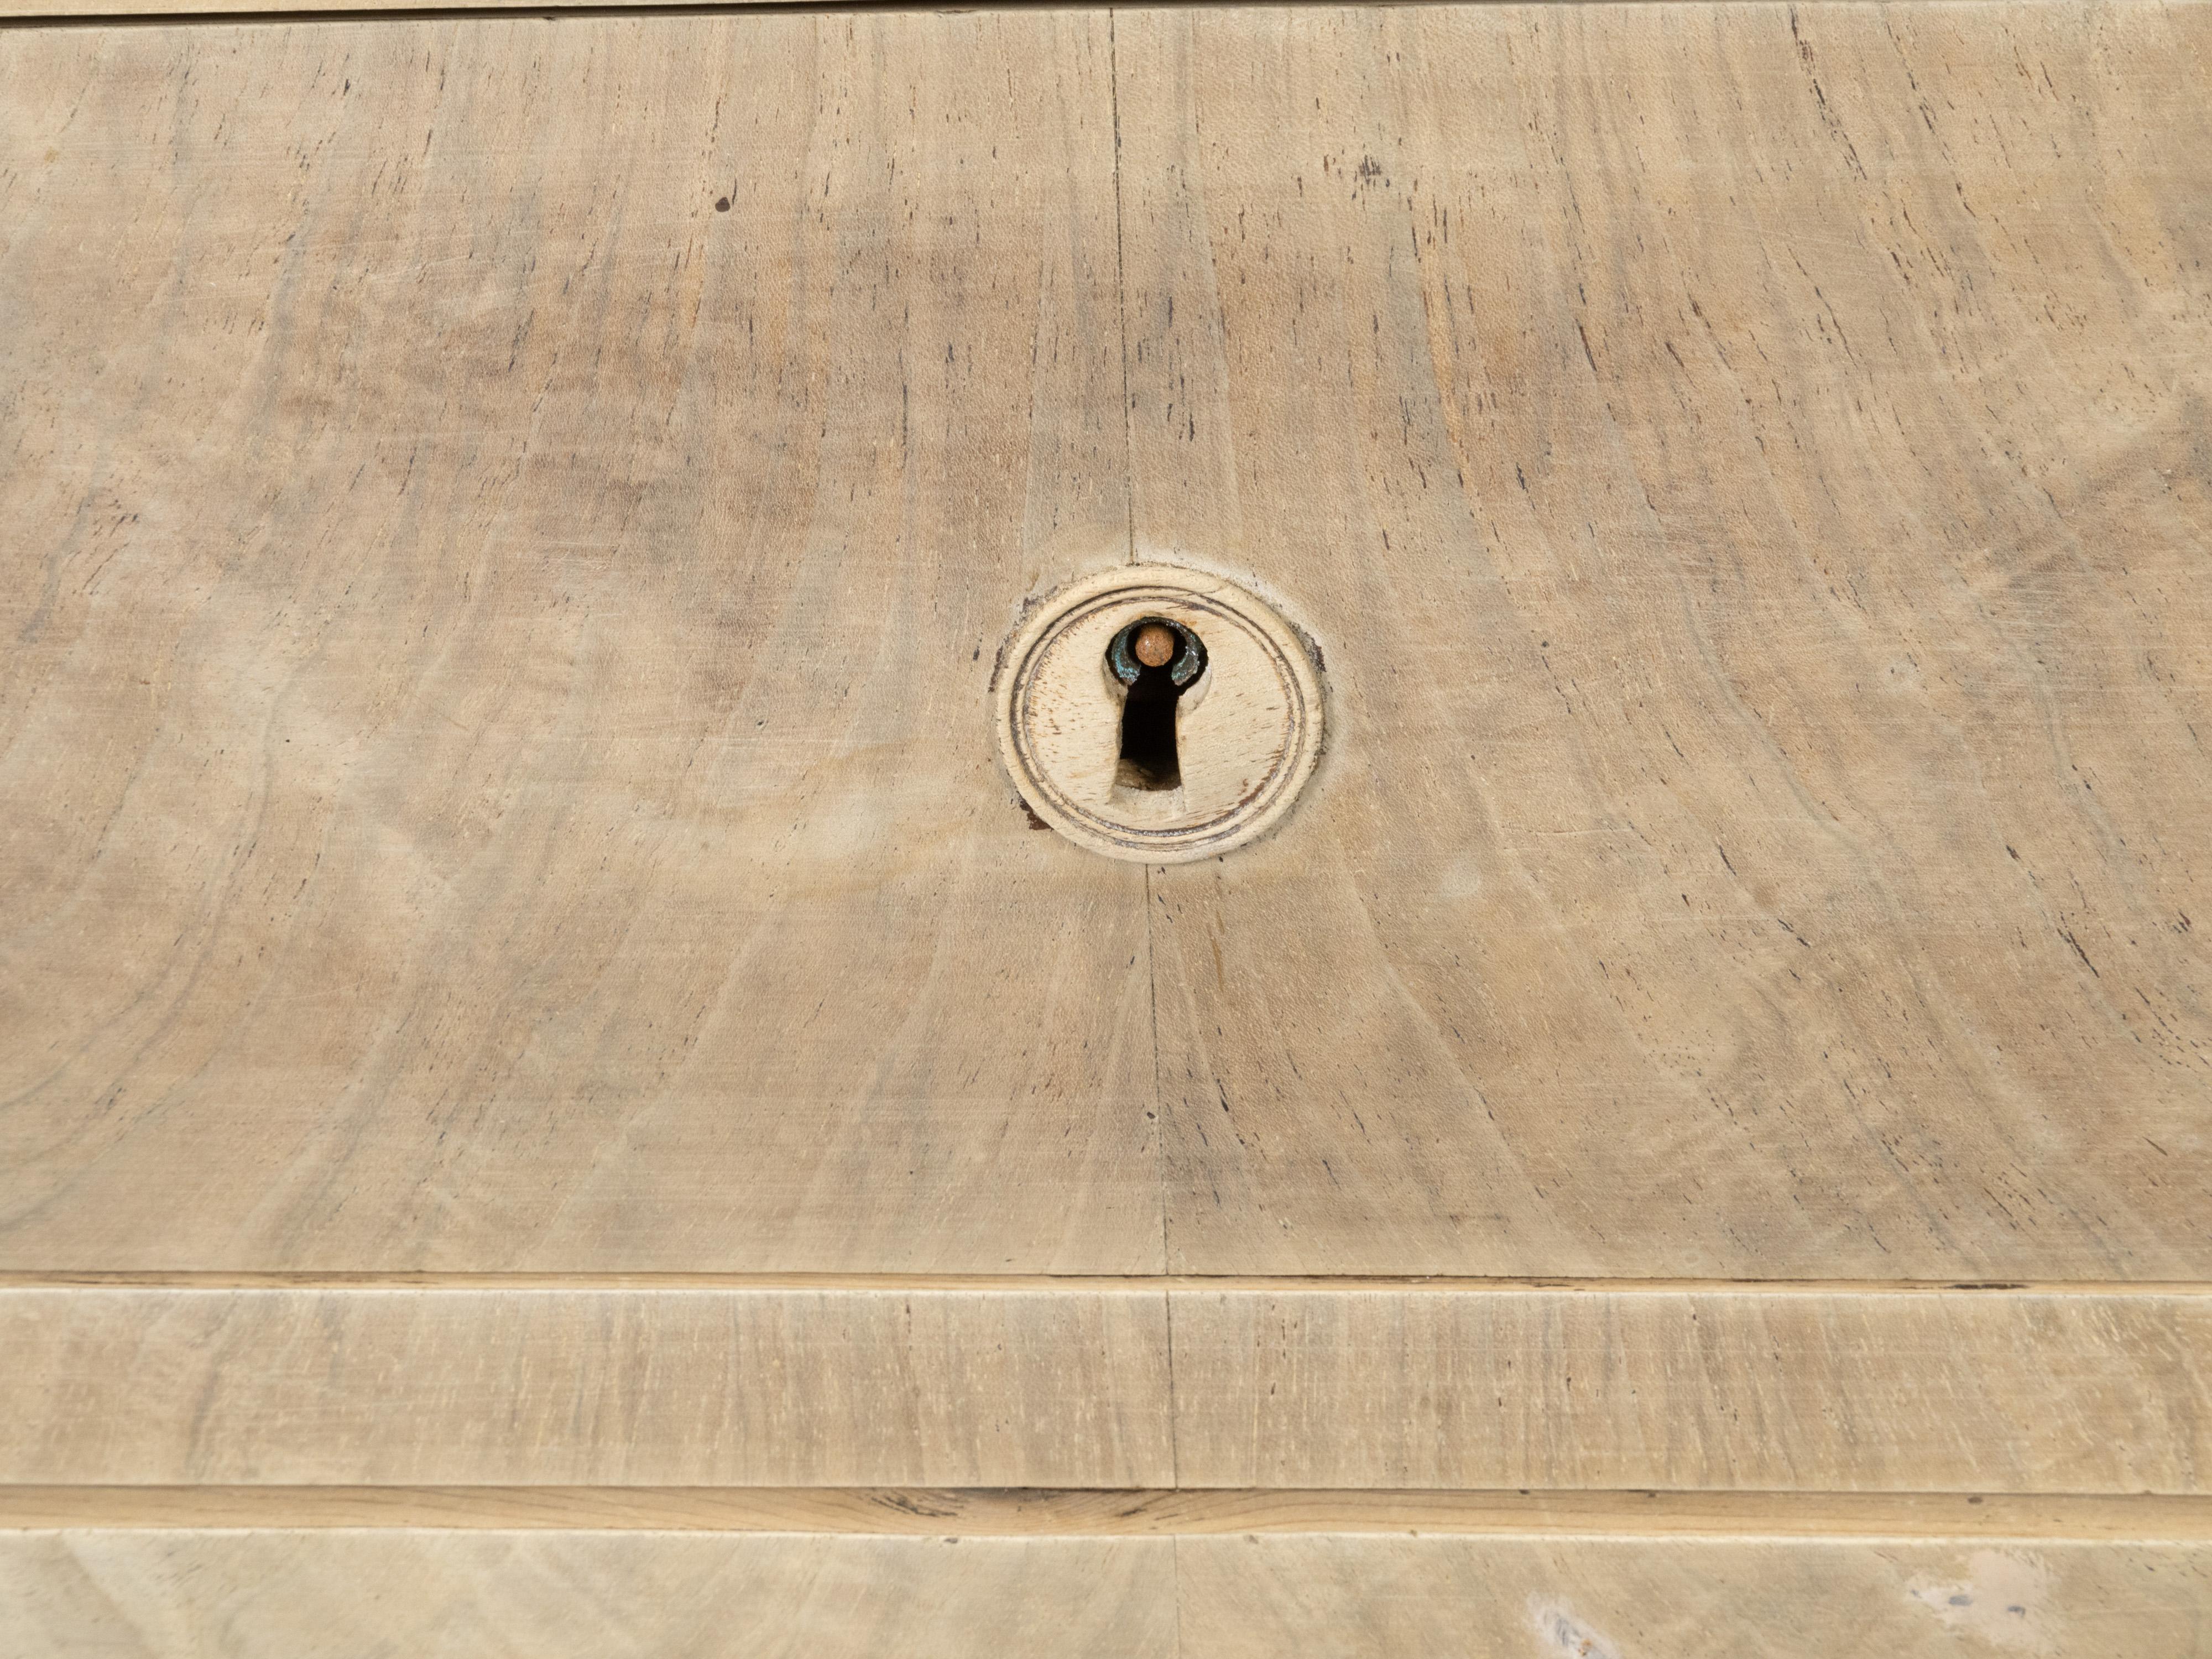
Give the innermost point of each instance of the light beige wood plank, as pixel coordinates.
(1719, 1391)
(92, 10)
(954, 1512)
(218, 1279)
(1823, 1390)
(246, 1595)
(1627, 1598)
(495, 723)
(1744, 465)
(549, 1595)
(675, 1388)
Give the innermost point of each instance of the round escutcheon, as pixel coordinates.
(1159, 715)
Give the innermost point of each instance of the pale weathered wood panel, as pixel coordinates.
(1744, 465)
(1718, 1390)
(510, 527)
(93, 9)
(1632, 1599)
(546, 1595)
(494, 720)
(1755, 1390)
(263, 1594)
(665, 1387)
(1036, 1512)
(494, 725)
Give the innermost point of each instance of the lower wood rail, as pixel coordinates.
(1114, 1384)
(955, 1512)
(244, 1466)
(260, 1593)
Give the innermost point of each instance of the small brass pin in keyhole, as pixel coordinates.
(1158, 660)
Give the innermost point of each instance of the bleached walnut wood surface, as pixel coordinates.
(833, 1387)
(953, 1512)
(1745, 468)
(274, 1595)
(496, 728)
(549, 1085)
(1072, 1384)
(496, 725)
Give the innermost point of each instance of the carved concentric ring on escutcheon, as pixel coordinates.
(1249, 731)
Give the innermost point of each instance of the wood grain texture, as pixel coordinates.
(510, 523)
(495, 719)
(1028, 1512)
(1744, 466)
(1623, 1599)
(1822, 1391)
(259, 1595)
(679, 1387)
(1717, 1391)
(217, 10)
(495, 723)
(547, 1596)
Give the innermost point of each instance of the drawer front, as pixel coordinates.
(524, 968)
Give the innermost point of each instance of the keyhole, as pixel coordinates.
(1158, 660)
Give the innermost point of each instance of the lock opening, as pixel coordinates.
(1158, 777)
(1158, 660)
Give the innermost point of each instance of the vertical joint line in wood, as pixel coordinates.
(1159, 1124)
(1122, 313)
(1174, 1449)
